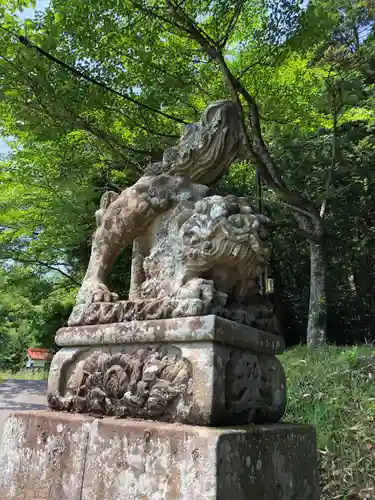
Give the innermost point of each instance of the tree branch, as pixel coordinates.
(237, 12)
(250, 66)
(146, 127)
(167, 73)
(37, 262)
(152, 13)
(256, 149)
(336, 109)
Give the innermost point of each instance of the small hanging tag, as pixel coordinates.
(270, 285)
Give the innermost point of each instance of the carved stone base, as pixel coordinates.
(260, 314)
(197, 370)
(57, 456)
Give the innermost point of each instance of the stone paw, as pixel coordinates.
(103, 295)
(95, 292)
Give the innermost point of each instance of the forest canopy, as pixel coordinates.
(91, 92)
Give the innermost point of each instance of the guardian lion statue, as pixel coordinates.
(193, 254)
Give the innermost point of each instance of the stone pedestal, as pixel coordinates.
(57, 456)
(201, 370)
(158, 376)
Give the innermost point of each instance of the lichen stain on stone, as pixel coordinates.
(153, 469)
(283, 476)
(134, 460)
(34, 458)
(11, 455)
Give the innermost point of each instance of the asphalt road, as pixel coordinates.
(18, 395)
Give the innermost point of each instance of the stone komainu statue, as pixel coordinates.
(193, 254)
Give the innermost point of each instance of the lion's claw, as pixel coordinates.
(103, 296)
(95, 292)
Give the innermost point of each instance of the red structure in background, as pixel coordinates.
(37, 358)
(38, 354)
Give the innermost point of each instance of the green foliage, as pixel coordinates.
(15, 353)
(71, 140)
(333, 389)
(311, 70)
(32, 308)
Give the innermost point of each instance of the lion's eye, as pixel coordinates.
(191, 237)
(194, 239)
(207, 245)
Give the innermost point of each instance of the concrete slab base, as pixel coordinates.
(59, 456)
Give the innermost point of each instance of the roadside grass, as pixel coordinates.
(24, 375)
(334, 389)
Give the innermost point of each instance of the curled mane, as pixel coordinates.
(206, 148)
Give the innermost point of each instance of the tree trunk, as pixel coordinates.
(317, 322)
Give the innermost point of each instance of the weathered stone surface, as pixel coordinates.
(203, 153)
(174, 330)
(154, 461)
(277, 462)
(147, 383)
(133, 460)
(42, 456)
(194, 254)
(165, 462)
(226, 386)
(201, 258)
(216, 383)
(257, 312)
